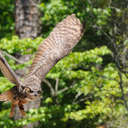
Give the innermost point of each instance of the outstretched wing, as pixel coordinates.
(7, 71)
(58, 44)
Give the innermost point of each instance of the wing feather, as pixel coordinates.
(58, 44)
(7, 71)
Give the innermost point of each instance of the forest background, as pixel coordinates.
(86, 89)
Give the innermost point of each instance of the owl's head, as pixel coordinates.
(31, 93)
(31, 87)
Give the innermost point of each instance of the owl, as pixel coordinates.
(57, 45)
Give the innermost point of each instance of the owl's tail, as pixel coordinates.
(6, 96)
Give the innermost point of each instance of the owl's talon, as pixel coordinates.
(11, 115)
(12, 110)
(21, 108)
(23, 113)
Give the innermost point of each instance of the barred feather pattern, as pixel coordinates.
(7, 71)
(6, 96)
(58, 44)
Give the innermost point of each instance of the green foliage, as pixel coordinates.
(15, 45)
(88, 92)
(5, 84)
(6, 18)
(98, 86)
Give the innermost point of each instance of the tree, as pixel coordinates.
(27, 25)
(27, 18)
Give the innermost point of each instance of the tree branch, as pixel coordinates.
(50, 86)
(122, 90)
(12, 57)
(56, 85)
(64, 89)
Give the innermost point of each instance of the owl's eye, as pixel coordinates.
(39, 92)
(31, 91)
(27, 90)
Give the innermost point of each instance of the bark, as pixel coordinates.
(27, 25)
(27, 18)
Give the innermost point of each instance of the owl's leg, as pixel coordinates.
(12, 110)
(21, 108)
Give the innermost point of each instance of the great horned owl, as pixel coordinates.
(58, 44)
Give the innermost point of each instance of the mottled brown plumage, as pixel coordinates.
(58, 44)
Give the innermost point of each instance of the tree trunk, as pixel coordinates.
(27, 25)
(27, 18)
